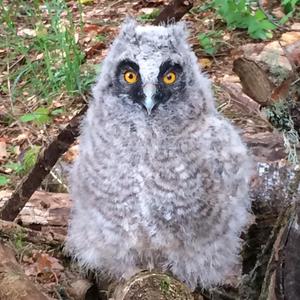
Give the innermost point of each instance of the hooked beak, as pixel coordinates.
(149, 91)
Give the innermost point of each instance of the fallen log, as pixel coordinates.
(12, 231)
(254, 80)
(283, 271)
(44, 212)
(14, 284)
(267, 82)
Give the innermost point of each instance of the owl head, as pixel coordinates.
(152, 71)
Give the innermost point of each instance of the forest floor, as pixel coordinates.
(41, 90)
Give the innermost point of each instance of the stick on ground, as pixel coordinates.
(46, 160)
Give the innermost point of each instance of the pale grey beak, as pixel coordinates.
(149, 91)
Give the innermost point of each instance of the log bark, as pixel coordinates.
(12, 230)
(49, 156)
(14, 284)
(282, 276)
(254, 80)
(44, 218)
(260, 78)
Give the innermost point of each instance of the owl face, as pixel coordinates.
(152, 73)
(133, 82)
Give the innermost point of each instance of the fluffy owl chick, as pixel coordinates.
(161, 180)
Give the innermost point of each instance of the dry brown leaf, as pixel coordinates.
(291, 37)
(20, 138)
(26, 32)
(94, 49)
(147, 10)
(44, 267)
(3, 151)
(295, 26)
(205, 63)
(43, 263)
(71, 154)
(90, 28)
(293, 53)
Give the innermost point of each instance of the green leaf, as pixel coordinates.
(57, 111)
(259, 15)
(3, 180)
(239, 14)
(40, 116)
(17, 167)
(30, 158)
(267, 25)
(285, 18)
(27, 118)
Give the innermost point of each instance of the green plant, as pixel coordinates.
(30, 158)
(289, 7)
(202, 7)
(100, 38)
(19, 240)
(165, 285)
(41, 115)
(51, 56)
(149, 17)
(239, 14)
(210, 41)
(4, 180)
(16, 167)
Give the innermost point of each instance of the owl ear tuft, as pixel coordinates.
(180, 31)
(128, 27)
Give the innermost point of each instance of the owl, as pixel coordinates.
(161, 180)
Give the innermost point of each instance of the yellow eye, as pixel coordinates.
(130, 77)
(169, 78)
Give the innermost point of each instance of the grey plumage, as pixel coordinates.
(163, 189)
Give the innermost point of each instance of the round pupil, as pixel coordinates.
(169, 77)
(130, 76)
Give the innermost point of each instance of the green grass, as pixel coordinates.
(40, 61)
(47, 62)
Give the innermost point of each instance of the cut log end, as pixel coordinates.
(150, 286)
